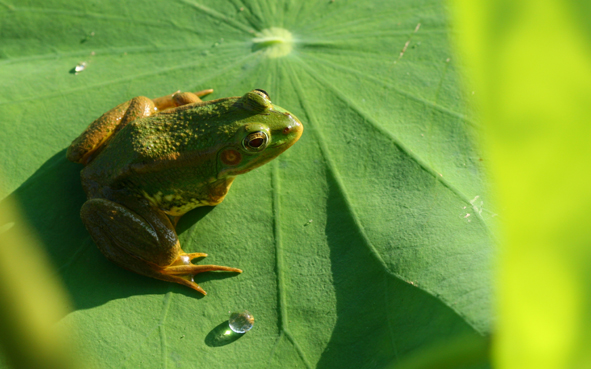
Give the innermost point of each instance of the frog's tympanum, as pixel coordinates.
(149, 161)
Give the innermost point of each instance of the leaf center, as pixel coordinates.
(273, 42)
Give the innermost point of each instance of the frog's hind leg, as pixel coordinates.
(179, 98)
(142, 239)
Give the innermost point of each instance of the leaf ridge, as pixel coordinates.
(249, 16)
(283, 321)
(279, 337)
(275, 185)
(296, 13)
(298, 349)
(158, 328)
(162, 331)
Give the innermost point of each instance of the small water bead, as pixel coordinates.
(80, 67)
(241, 322)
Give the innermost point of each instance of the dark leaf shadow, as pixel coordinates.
(222, 335)
(50, 202)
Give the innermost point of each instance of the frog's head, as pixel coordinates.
(267, 131)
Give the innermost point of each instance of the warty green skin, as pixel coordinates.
(173, 159)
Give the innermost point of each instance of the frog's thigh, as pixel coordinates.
(96, 134)
(125, 237)
(99, 131)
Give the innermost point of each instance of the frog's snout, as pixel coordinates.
(293, 131)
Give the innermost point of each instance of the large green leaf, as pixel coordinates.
(365, 241)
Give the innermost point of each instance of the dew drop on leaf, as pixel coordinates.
(80, 67)
(241, 322)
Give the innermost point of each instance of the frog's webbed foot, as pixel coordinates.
(142, 239)
(182, 271)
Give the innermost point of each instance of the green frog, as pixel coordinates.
(149, 161)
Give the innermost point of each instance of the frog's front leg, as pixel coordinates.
(141, 238)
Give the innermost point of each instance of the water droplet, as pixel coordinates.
(185, 259)
(241, 322)
(80, 67)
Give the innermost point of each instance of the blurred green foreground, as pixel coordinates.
(530, 64)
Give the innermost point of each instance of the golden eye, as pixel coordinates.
(256, 141)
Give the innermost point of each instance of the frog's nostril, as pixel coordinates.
(286, 130)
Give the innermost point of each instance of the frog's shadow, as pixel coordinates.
(50, 202)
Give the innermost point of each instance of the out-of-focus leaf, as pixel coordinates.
(32, 300)
(531, 61)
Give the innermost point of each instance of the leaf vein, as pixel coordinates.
(275, 184)
(162, 331)
(298, 349)
(279, 337)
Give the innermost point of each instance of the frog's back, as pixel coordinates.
(160, 155)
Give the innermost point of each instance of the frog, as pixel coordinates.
(147, 162)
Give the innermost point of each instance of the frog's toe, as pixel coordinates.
(191, 269)
(194, 255)
(204, 92)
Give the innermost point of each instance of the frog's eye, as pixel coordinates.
(256, 141)
(263, 91)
